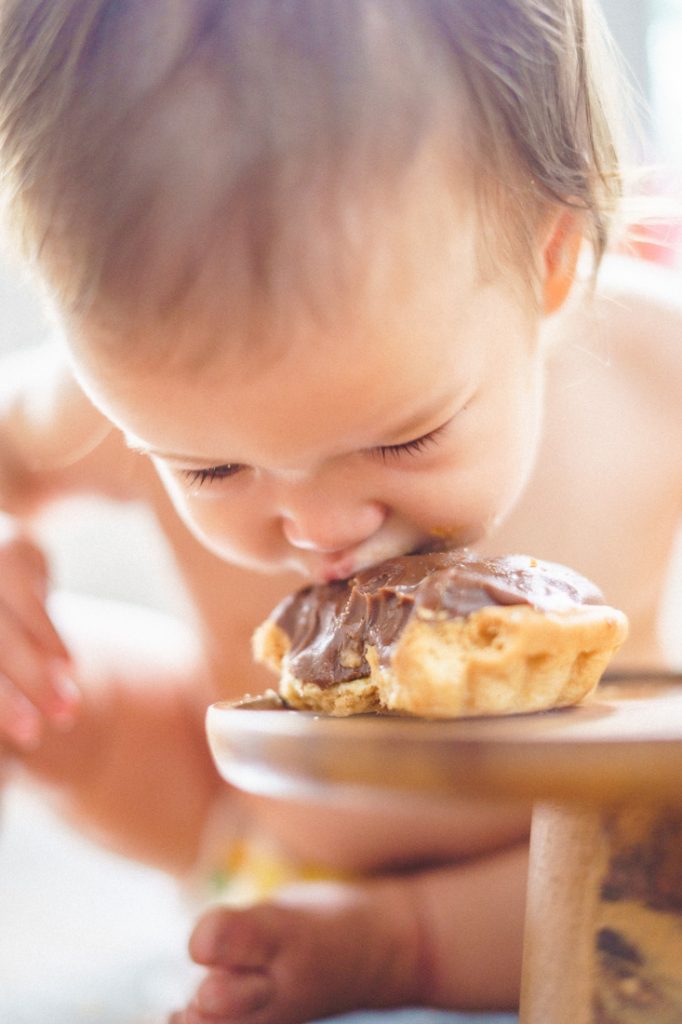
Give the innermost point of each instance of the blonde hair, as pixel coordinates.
(143, 141)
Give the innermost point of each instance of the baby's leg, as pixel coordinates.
(448, 937)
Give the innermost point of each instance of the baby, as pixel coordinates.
(310, 263)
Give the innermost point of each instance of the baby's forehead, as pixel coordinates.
(369, 384)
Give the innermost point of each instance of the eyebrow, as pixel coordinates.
(135, 445)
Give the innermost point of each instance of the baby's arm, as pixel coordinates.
(52, 439)
(127, 755)
(134, 771)
(46, 424)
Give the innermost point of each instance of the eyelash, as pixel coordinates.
(386, 451)
(198, 477)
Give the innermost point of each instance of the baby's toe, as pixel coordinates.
(229, 995)
(240, 940)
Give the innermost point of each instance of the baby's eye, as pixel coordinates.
(387, 451)
(197, 477)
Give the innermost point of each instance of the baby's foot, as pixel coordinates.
(317, 950)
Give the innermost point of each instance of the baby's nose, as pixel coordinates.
(331, 529)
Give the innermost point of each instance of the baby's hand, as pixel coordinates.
(36, 689)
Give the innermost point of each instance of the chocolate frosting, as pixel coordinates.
(330, 625)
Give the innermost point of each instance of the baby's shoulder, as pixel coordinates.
(638, 307)
(630, 328)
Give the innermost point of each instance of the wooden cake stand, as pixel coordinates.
(603, 940)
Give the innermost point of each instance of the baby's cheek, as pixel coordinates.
(236, 534)
(210, 519)
(220, 529)
(457, 502)
(478, 503)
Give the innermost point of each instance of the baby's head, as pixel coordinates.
(362, 198)
(165, 150)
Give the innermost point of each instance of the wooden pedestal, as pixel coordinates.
(604, 917)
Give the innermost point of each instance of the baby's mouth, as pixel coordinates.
(342, 565)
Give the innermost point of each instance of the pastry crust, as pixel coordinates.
(500, 659)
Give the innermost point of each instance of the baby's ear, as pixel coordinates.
(559, 258)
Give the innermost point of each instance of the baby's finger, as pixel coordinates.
(20, 722)
(43, 681)
(29, 608)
